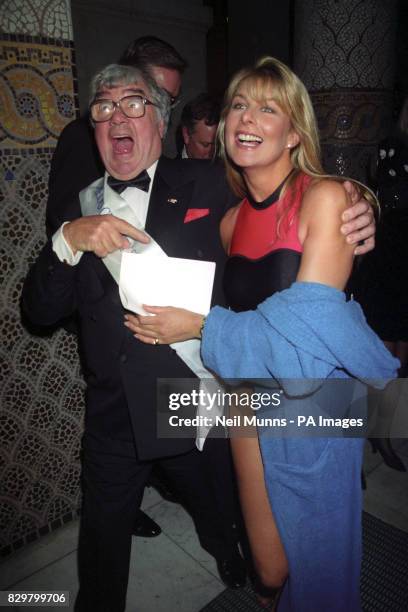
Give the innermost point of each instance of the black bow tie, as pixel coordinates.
(141, 181)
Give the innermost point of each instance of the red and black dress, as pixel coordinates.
(265, 250)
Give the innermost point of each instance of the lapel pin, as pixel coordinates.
(172, 200)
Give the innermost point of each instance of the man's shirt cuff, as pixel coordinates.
(62, 249)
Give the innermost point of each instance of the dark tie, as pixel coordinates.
(141, 181)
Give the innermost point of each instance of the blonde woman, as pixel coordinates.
(288, 265)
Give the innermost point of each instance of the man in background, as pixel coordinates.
(198, 127)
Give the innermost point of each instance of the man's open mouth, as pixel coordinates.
(122, 144)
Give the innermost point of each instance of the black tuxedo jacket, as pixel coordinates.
(120, 371)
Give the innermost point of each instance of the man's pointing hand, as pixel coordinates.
(101, 234)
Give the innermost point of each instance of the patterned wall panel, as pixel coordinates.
(47, 17)
(41, 389)
(345, 54)
(345, 43)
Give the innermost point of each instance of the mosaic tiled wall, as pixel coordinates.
(41, 390)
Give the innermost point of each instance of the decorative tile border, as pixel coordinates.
(38, 94)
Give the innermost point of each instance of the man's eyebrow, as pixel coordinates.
(129, 90)
(136, 90)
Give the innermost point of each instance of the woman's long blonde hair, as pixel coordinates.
(271, 79)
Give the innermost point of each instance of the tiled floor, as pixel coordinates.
(168, 572)
(172, 572)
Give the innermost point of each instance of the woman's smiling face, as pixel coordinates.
(258, 133)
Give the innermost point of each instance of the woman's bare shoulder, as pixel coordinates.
(326, 197)
(326, 188)
(322, 205)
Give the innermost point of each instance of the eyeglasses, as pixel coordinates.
(131, 106)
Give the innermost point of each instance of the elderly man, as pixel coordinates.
(76, 163)
(120, 444)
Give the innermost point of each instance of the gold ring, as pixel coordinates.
(156, 341)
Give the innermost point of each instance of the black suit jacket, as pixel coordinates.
(121, 372)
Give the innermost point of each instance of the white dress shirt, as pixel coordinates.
(137, 198)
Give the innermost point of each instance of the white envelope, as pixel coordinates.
(165, 281)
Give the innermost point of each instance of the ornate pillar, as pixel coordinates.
(41, 391)
(345, 55)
